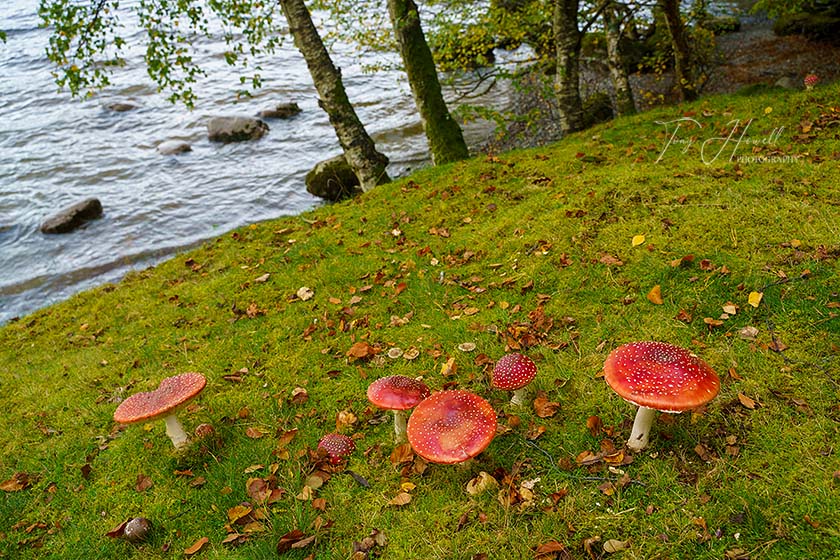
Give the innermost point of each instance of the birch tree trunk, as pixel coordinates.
(567, 37)
(683, 71)
(446, 140)
(359, 150)
(624, 104)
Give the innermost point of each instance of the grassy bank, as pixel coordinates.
(536, 250)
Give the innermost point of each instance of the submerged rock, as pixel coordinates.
(173, 147)
(235, 129)
(281, 111)
(73, 216)
(333, 180)
(122, 106)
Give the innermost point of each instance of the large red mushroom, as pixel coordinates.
(514, 372)
(451, 427)
(397, 393)
(172, 393)
(658, 376)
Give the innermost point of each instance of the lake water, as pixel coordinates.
(55, 151)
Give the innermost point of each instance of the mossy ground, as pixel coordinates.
(527, 250)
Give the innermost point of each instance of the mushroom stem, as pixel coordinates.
(399, 426)
(641, 429)
(175, 431)
(520, 396)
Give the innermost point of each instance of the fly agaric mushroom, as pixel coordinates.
(658, 376)
(163, 402)
(451, 427)
(397, 393)
(513, 372)
(337, 447)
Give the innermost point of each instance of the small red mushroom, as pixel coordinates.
(451, 427)
(513, 372)
(397, 393)
(337, 447)
(658, 376)
(172, 393)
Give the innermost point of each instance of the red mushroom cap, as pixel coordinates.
(512, 372)
(660, 376)
(397, 392)
(170, 394)
(337, 446)
(451, 427)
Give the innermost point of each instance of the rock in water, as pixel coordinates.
(235, 129)
(332, 180)
(73, 217)
(173, 147)
(281, 111)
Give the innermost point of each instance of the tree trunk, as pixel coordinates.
(567, 38)
(446, 141)
(624, 104)
(682, 54)
(367, 163)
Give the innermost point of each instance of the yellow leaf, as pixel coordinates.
(400, 499)
(755, 298)
(637, 240)
(655, 295)
(768, 110)
(407, 486)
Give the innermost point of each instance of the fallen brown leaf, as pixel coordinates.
(143, 483)
(400, 499)
(197, 546)
(543, 407)
(746, 401)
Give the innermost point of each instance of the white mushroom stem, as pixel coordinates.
(521, 396)
(641, 429)
(175, 431)
(400, 426)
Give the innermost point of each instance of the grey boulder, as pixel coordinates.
(173, 147)
(281, 111)
(333, 180)
(73, 216)
(235, 129)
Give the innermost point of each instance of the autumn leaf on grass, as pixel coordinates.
(481, 483)
(610, 260)
(400, 499)
(305, 293)
(746, 401)
(362, 351)
(543, 407)
(755, 298)
(19, 481)
(197, 546)
(294, 540)
(551, 549)
(655, 295)
(143, 483)
(637, 240)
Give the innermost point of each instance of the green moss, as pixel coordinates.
(519, 249)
